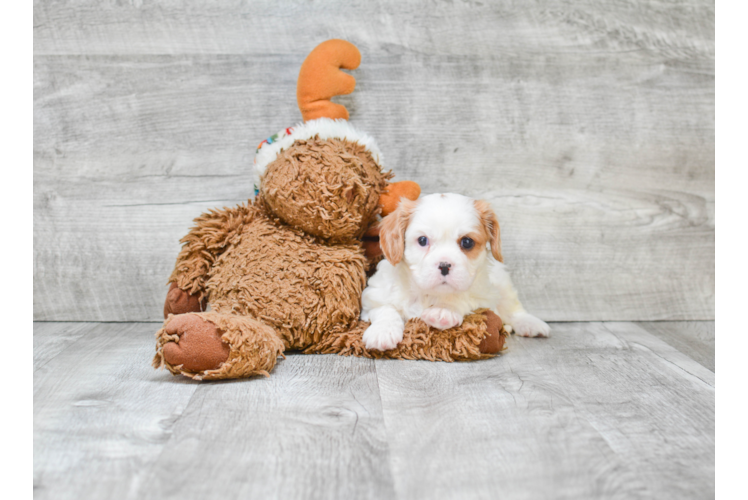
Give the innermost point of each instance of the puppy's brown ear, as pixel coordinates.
(392, 231)
(491, 226)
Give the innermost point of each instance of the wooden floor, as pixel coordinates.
(600, 410)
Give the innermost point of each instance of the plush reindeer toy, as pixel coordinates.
(286, 271)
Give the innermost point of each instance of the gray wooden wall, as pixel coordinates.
(588, 124)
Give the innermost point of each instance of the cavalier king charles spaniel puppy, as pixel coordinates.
(437, 268)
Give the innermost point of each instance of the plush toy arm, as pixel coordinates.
(480, 336)
(211, 235)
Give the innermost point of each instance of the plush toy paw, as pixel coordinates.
(441, 318)
(200, 346)
(494, 341)
(180, 302)
(527, 325)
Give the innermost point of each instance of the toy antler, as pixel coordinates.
(320, 79)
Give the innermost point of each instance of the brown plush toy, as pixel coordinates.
(286, 271)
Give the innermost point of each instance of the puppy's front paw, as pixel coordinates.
(527, 325)
(441, 318)
(383, 335)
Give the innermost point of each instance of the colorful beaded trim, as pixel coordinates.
(273, 138)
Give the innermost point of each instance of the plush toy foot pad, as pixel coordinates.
(213, 346)
(180, 302)
(494, 341)
(199, 347)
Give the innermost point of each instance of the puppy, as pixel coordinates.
(437, 268)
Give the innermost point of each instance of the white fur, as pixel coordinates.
(327, 129)
(386, 330)
(415, 287)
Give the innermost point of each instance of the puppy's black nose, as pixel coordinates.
(444, 268)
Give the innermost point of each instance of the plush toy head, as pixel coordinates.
(328, 187)
(324, 176)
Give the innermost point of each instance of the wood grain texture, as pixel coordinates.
(695, 339)
(730, 451)
(50, 339)
(596, 411)
(101, 413)
(313, 429)
(499, 428)
(599, 410)
(653, 405)
(455, 28)
(589, 126)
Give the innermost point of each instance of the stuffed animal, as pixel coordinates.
(286, 271)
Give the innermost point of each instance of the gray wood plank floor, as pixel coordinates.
(599, 410)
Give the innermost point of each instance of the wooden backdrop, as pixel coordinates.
(588, 124)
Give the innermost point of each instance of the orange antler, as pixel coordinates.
(390, 199)
(320, 79)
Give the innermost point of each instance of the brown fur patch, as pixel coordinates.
(392, 231)
(491, 227)
(480, 238)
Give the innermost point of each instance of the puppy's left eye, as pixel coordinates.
(467, 243)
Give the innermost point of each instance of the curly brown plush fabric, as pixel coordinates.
(420, 341)
(329, 188)
(290, 281)
(205, 242)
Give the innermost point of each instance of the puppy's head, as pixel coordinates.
(442, 238)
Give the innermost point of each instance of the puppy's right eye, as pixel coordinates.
(423, 241)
